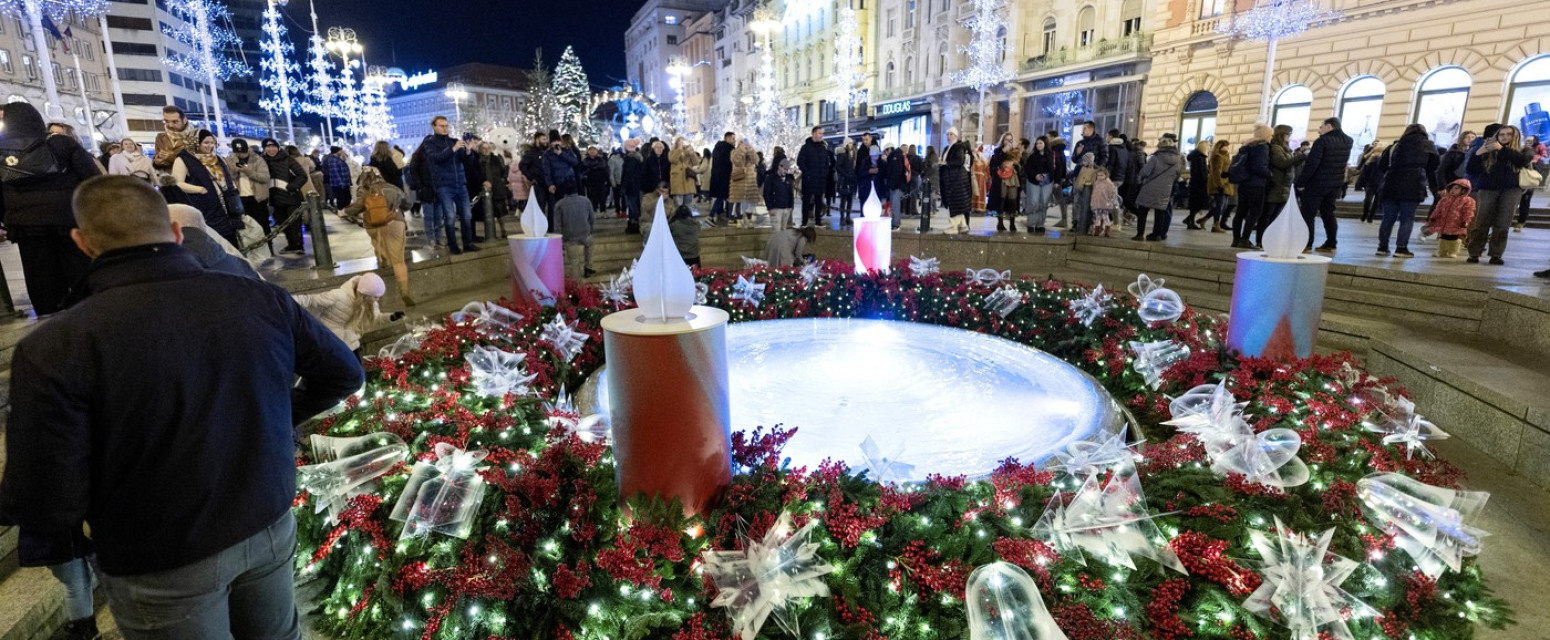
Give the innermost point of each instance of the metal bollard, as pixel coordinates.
(322, 255)
(489, 215)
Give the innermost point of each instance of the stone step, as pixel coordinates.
(31, 604)
(8, 544)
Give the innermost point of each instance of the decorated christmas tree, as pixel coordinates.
(571, 91)
(543, 107)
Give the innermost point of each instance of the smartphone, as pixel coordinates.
(469, 136)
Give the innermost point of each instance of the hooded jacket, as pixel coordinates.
(1156, 179)
(1452, 214)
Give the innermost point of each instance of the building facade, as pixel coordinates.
(21, 78)
(1451, 65)
(655, 38)
(496, 101)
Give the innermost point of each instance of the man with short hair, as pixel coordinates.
(128, 431)
(1321, 180)
(814, 160)
(445, 157)
(176, 136)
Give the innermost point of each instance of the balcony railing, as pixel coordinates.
(1129, 45)
(1205, 26)
(884, 95)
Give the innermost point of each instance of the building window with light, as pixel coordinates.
(1212, 8)
(1130, 16)
(5, 61)
(669, 19)
(893, 19)
(909, 16)
(1440, 102)
(1361, 106)
(1293, 107)
(1528, 96)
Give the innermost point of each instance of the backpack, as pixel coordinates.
(33, 164)
(1238, 171)
(377, 211)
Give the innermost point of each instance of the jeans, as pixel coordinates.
(455, 209)
(1404, 213)
(339, 196)
(632, 205)
(432, 219)
(1493, 221)
(1322, 206)
(79, 578)
(244, 591)
(1159, 225)
(1038, 203)
(716, 208)
(895, 200)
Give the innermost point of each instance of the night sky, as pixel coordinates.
(418, 35)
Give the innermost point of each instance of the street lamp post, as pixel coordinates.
(458, 93)
(767, 104)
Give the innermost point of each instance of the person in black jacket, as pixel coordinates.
(35, 210)
(1092, 143)
(720, 174)
(184, 474)
(1252, 189)
(957, 193)
(631, 186)
(814, 161)
(898, 174)
(1497, 163)
(1408, 167)
(1199, 200)
(286, 178)
(1038, 182)
(1322, 179)
(1450, 166)
(845, 178)
(779, 197)
(654, 170)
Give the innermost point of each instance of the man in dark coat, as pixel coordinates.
(185, 475)
(37, 210)
(814, 161)
(1092, 143)
(445, 157)
(630, 185)
(1321, 180)
(721, 173)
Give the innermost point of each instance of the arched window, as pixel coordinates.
(1198, 121)
(1293, 107)
(1130, 15)
(1086, 29)
(1439, 103)
(888, 79)
(1049, 36)
(1361, 105)
(1528, 97)
(1001, 37)
(909, 71)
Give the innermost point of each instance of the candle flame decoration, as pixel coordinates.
(663, 285)
(872, 209)
(534, 223)
(1288, 235)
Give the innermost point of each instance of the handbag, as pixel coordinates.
(1528, 178)
(32, 164)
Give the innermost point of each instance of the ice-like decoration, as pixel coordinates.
(701, 293)
(1004, 604)
(810, 273)
(987, 277)
(442, 497)
(534, 223)
(921, 267)
(1155, 303)
(495, 373)
(1427, 522)
(1287, 236)
(489, 318)
(1402, 426)
(562, 412)
(1215, 417)
(663, 285)
(564, 337)
(762, 580)
(1007, 399)
(343, 466)
(885, 468)
(1088, 308)
(1005, 300)
(1109, 522)
(748, 291)
(755, 263)
(1301, 588)
(615, 292)
(1153, 359)
(407, 342)
(1089, 457)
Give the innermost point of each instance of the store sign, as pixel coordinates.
(420, 79)
(895, 108)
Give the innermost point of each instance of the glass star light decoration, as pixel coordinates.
(1087, 309)
(1155, 303)
(1215, 417)
(1402, 426)
(1153, 359)
(810, 273)
(1427, 522)
(755, 263)
(765, 578)
(1109, 522)
(1301, 587)
(489, 318)
(562, 412)
(616, 291)
(922, 267)
(495, 373)
(1087, 457)
(886, 469)
(748, 291)
(987, 277)
(564, 337)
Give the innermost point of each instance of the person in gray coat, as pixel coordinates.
(786, 247)
(1156, 191)
(574, 213)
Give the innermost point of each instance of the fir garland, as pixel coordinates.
(551, 557)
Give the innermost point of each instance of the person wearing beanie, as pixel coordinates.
(350, 311)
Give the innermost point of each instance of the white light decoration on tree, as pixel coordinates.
(377, 122)
(573, 92)
(676, 72)
(1273, 21)
(205, 32)
(849, 70)
(343, 43)
(769, 124)
(986, 51)
(280, 75)
(320, 83)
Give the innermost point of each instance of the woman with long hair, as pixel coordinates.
(382, 159)
(1283, 163)
(131, 161)
(1408, 167)
(378, 204)
(1039, 183)
(1221, 191)
(1498, 163)
(1255, 155)
(957, 194)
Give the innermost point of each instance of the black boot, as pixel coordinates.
(1000, 224)
(1011, 224)
(632, 228)
(83, 629)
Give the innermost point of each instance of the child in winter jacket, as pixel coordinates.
(779, 196)
(1450, 218)
(1105, 201)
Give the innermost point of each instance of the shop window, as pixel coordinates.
(1293, 107)
(1528, 98)
(1361, 106)
(1439, 103)
(1198, 121)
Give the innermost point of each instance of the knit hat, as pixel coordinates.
(204, 133)
(239, 145)
(370, 284)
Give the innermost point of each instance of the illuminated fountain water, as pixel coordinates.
(944, 400)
